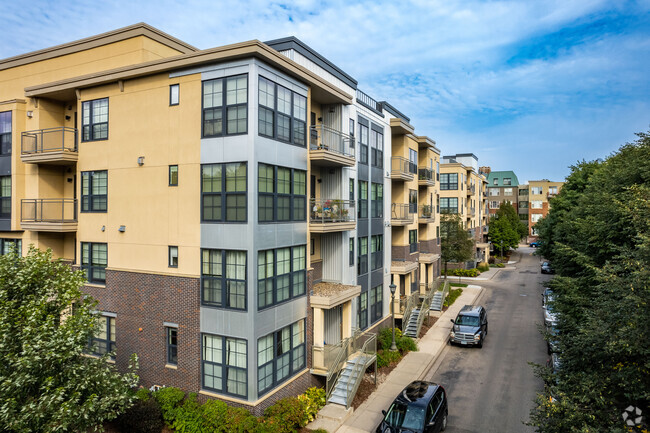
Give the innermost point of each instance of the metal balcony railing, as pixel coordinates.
(55, 210)
(402, 166)
(324, 210)
(400, 212)
(49, 140)
(325, 138)
(427, 212)
(425, 174)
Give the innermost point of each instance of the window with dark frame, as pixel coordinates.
(172, 346)
(413, 241)
(351, 189)
(376, 252)
(223, 279)
(363, 143)
(282, 194)
(9, 245)
(94, 120)
(376, 303)
(224, 365)
(413, 161)
(225, 106)
(5, 133)
(282, 113)
(363, 199)
(449, 204)
(376, 200)
(413, 201)
(94, 191)
(173, 256)
(5, 196)
(281, 275)
(173, 175)
(351, 130)
(94, 259)
(377, 147)
(174, 94)
(104, 341)
(448, 181)
(351, 248)
(363, 310)
(362, 257)
(280, 355)
(223, 190)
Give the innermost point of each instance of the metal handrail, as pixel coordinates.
(324, 210)
(427, 211)
(359, 367)
(332, 140)
(411, 302)
(48, 210)
(47, 140)
(401, 165)
(334, 371)
(400, 211)
(425, 174)
(424, 311)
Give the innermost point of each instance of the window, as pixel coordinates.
(523, 192)
(363, 310)
(536, 190)
(5, 196)
(377, 147)
(494, 204)
(507, 191)
(223, 190)
(224, 364)
(376, 303)
(413, 241)
(280, 355)
(5, 133)
(413, 200)
(223, 279)
(172, 346)
(413, 161)
(174, 94)
(376, 200)
(225, 98)
(173, 175)
(8, 245)
(552, 189)
(281, 275)
(376, 252)
(351, 251)
(362, 258)
(351, 130)
(363, 141)
(448, 181)
(507, 181)
(94, 259)
(536, 204)
(496, 181)
(94, 120)
(282, 194)
(535, 217)
(363, 199)
(494, 191)
(523, 205)
(94, 191)
(104, 341)
(448, 204)
(282, 113)
(173, 257)
(351, 189)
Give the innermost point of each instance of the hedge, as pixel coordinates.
(462, 272)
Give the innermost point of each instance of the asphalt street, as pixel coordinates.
(492, 389)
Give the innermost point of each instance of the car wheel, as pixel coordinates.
(444, 423)
(480, 344)
(486, 328)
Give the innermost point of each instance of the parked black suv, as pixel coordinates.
(470, 326)
(420, 408)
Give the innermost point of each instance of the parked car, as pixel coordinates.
(534, 244)
(550, 316)
(421, 407)
(547, 268)
(470, 326)
(551, 342)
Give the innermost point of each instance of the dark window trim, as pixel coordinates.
(375, 312)
(224, 107)
(90, 196)
(377, 256)
(360, 257)
(169, 256)
(171, 183)
(351, 251)
(448, 185)
(90, 267)
(223, 365)
(6, 137)
(363, 202)
(171, 86)
(413, 246)
(363, 312)
(274, 278)
(5, 201)
(91, 124)
(377, 159)
(110, 345)
(363, 146)
(224, 281)
(16, 243)
(172, 349)
(292, 196)
(292, 371)
(224, 194)
(293, 120)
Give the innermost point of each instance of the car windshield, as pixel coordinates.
(405, 416)
(467, 320)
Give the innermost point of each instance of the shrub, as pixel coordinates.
(169, 399)
(462, 272)
(491, 260)
(500, 265)
(143, 417)
(405, 344)
(286, 415)
(313, 400)
(385, 337)
(387, 357)
(188, 417)
(451, 298)
(143, 394)
(483, 266)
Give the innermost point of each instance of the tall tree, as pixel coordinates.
(505, 228)
(598, 236)
(455, 243)
(47, 383)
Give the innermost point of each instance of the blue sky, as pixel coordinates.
(529, 86)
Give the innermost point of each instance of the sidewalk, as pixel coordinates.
(414, 366)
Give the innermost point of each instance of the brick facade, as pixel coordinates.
(403, 254)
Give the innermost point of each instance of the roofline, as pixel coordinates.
(292, 42)
(139, 29)
(239, 50)
(394, 111)
(461, 154)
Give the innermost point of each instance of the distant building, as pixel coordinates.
(502, 186)
(540, 192)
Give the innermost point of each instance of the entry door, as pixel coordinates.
(333, 324)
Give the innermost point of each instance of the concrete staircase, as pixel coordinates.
(412, 326)
(348, 382)
(436, 302)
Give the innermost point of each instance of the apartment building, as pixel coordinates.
(540, 192)
(462, 191)
(523, 193)
(227, 205)
(502, 186)
(414, 215)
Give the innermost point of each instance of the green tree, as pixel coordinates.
(505, 228)
(47, 383)
(598, 235)
(455, 243)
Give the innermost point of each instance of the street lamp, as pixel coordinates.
(393, 346)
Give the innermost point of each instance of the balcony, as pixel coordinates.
(49, 146)
(400, 215)
(472, 212)
(330, 148)
(426, 177)
(426, 214)
(331, 215)
(49, 215)
(471, 189)
(402, 169)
